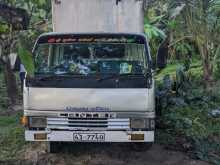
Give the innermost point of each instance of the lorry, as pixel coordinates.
(93, 78)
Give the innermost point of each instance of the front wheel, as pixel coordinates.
(141, 146)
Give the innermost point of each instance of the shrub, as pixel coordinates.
(186, 112)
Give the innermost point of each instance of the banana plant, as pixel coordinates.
(26, 59)
(153, 33)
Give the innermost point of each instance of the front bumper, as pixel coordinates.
(110, 136)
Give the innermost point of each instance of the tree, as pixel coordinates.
(200, 20)
(13, 19)
(18, 18)
(190, 24)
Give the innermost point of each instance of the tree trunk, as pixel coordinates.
(10, 81)
(207, 69)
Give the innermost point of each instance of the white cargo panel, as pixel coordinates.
(98, 16)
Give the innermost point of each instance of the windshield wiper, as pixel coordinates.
(49, 77)
(58, 76)
(118, 76)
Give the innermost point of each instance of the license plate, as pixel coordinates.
(93, 137)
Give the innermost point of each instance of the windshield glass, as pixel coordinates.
(90, 58)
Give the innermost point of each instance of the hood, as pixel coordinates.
(64, 99)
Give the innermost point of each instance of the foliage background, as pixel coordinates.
(187, 89)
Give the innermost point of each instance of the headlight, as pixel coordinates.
(37, 122)
(142, 123)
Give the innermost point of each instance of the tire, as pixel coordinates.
(141, 146)
(53, 147)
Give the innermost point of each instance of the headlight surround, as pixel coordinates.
(142, 123)
(37, 122)
(137, 123)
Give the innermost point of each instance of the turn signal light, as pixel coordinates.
(40, 136)
(137, 136)
(24, 121)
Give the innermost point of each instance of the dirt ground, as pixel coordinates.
(102, 154)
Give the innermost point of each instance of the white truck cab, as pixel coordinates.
(91, 86)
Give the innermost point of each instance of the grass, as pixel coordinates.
(11, 132)
(7, 121)
(11, 137)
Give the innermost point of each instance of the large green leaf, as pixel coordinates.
(153, 32)
(26, 59)
(3, 28)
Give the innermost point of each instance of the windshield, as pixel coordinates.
(90, 58)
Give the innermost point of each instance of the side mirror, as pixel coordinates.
(14, 61)
(161, 61)
(162, 55)
(17, 64)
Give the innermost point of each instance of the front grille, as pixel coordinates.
(87, 123)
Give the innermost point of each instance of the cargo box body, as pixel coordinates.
(110, 16)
